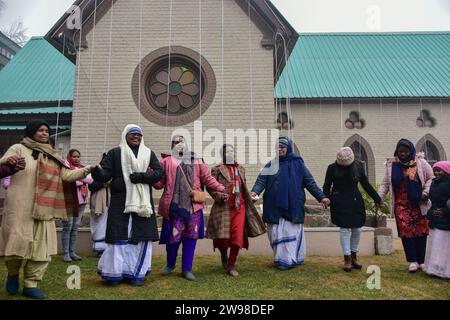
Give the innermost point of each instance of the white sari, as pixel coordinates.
(288, 243)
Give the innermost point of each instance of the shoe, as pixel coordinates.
(224, 259)
(12, 284)
(355, 263)
(282, 268)
(75, 257)
(167, 270)
(232, 272)
(111, 283)
(422, 266)
(188, 275)
(67, 258)
(136, 282)
(347, 263)
(33, 293)
(413, 267)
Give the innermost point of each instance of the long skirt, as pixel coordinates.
(288, 243)
(437, 261)
(98, 232)
(126, 260)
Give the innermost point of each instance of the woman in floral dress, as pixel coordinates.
(408, 177)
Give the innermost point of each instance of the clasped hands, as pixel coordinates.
(16, 162)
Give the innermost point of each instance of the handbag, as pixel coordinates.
(254, 225)
(196, 195)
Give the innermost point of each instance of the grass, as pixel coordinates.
(318, 278)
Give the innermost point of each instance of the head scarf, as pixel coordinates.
(413, 184)
(290, 177)
(408, 144)
(84, 187)
(33, 126)
(69, 158)
(235, 186)
(137, 196)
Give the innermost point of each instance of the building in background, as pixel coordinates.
(367, 91)
(8, 49)
(37, 84)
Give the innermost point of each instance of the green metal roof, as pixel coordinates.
(366, 65)
(40, 110)
(37, 73)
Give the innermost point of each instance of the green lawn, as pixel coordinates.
(318, 278)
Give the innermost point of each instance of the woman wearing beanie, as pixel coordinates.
(70, 227)
(437, 261)
(347, 205)
(36, 198)
(408, 177)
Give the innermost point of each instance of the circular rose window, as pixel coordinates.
(173, 91)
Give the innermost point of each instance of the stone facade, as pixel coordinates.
(103, 94)
(320, 131)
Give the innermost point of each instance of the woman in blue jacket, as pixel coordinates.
(284, 200)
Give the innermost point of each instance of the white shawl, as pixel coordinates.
(137, 195)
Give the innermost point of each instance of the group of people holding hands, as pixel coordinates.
(44, 187)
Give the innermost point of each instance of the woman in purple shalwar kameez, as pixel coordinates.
(183, 219)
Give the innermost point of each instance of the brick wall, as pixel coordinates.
(319, 130)
(92, 112)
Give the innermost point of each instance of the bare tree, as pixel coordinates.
(16, 32)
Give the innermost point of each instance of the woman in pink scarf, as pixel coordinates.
(70, 228)
(437, 261)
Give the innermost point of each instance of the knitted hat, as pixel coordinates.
(345, 156)
(283, 141)
(443, 165)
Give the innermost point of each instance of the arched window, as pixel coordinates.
(363, 152)
(361, 155)
(432, 149)
(283, 122)
(431, 152)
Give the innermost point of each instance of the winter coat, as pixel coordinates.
(202, 176)
(347, 205)
(219, 221)
(17, 223)
(439, 195)
(270, 183)
(425, 173)
(142, 229)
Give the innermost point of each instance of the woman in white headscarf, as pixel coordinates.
(131, 225)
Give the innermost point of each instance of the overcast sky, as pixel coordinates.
(306, 16)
